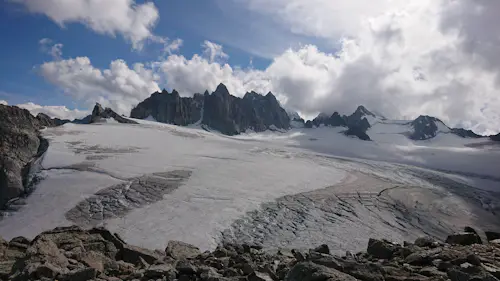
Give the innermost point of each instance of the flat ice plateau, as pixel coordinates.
(153, 182)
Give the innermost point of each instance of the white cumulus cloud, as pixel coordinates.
(133, 21)
(61, 112)
(118, 86)
(171, 46)
(54, 50)
(213, 51)
(399, 58)
(4, 102)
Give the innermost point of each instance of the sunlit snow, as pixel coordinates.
(234, 179)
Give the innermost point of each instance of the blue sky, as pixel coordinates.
(314, 55)
(20, 51)
(194, 21)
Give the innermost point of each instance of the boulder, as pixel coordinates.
(83, 274)
(425, 242)
(381, 249)
(308, 271)
(133, 255)
(463, 238)
(323, 249)
(158, 271)
(259, 276)
(185, 267)
(181, 250)
(491, 235)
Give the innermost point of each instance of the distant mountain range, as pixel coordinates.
(232, 115)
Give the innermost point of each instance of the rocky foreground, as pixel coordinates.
(71, 253)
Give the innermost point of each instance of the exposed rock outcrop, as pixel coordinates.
(264, 112)
(495, 137)
(99, 114)
(335, 120)
(465, 133)
(357, 121)
(220, 111)
(71, 253)
(424, 127)
(84, 120)
(357, 131)
(170, 108)
(20, 142)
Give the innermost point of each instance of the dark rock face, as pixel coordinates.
(358, 119)
(71, 253)
(170, 108)
(358, 132)
(495, 137)
(99, 113)
(231, 115)
(84, 120)
(424, 127)
(335, 120)
(308, 124)
(465, 133)
(46, 121)
(223, 112)
(220, 111)
(321, 119)
(264, 112)
(20, 141)
(464, 238)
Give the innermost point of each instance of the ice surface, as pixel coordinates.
(237, 178)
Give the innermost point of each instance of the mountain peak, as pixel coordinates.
(175, 93)
(362, 110)
(222, 89)
(99, 115)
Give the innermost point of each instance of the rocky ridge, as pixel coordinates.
(72, 253)
(20, 145)
(356, 124)
(219, 110)
(100, 114)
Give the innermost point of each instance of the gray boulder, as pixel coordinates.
(381, 249)
(181, 250)
(308, 271)
(464, 238)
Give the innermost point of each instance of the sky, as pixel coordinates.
(400, 58)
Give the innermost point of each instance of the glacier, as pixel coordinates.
(296, 188)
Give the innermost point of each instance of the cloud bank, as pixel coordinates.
(54, 111)
(399, 58)
(132, 21)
